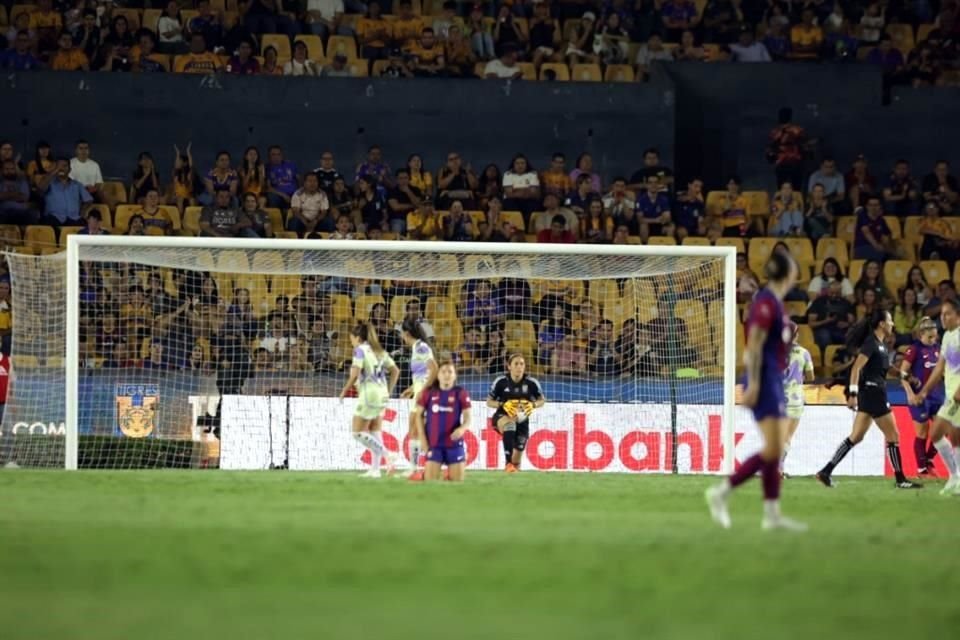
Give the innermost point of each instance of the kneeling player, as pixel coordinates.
(947, 422)
(514, 396)
(443, 417)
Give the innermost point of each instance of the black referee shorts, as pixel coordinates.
(872, 401)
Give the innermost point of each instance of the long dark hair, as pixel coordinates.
(368, 333)
(36, 156)
(778, 266)
(411, 324)
(859, 332)
(839, 277)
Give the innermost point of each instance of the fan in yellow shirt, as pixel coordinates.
(68, 57)
(423, 223)
(199, 60)
(406, 27)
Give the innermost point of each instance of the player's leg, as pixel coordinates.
(793, 421)
(889, 428)
(940, 431)
(432, 471)
(417, 458)
(861, 423)
(456, 471)
(522, 435)
(920, 419)
(507, 427)
(775, 437)
(362, 434)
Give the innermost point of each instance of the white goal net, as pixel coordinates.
(133, 352)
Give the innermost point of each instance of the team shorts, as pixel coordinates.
(447, 455)
(795, 411)
(925, 411)
(370, 404)
(873, 401)
(771, 403)
(950, 411)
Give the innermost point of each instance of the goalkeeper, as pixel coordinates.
(514, 396)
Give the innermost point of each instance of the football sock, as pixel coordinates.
(770, 472)
(413, 448)
(786, 450)
(893, 452)
(746, 471)
(771, 508)
(931, 452)
(509, 440)
(948, 456)
(840, 454)
(373, 445)
(920, 452)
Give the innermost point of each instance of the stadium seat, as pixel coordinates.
(797, 309)
(833, 248)
(805, 339)
(478, 264)
(24, 362)
(894, 223)
(694, 315)
(269, 262)
(935, 271)
(911, 229)
(132, 16)
(341, 308)
(758, 252)
(279, 42)
(846, 228)
(10, 235)
(363, 305)
(448, 334)
(855, 270)
(519, 335)
(895, 274)
(314, 47)
(288, 235)
(923, 31)
(122, 215)
(358, 68)
(440, 308)
(586, 73)
(758, 203)
(17, 9)
(115, 191)
(380, 65)
(696, 241)
(398, 307)
(802, 251)
(619, 73)
(342, 44)
(661, 241)
(529, 71)
(67, 231)
(233, 260)
(559, 68)
(515, 218)
(714, 202)
(603, 291)
(902, 36)
(288, 285)
(40, 236)
(150, 19)
(619, 310)
(191, 221)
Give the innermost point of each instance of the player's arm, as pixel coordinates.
(420, 422)
(858, 364)
(809, 373)
(905, 366)
(494, 398)
(753, 362)
(394, 376)
(466, 416)
(935, 377)
(352, 380)
(432, 369)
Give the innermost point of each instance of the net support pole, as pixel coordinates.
(72, 357)
(729, 359)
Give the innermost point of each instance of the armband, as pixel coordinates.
(854, 390)
(904, 375)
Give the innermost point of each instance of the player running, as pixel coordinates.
(947, 421)
(765, 359)
(867, 395)
(375, 375)
(514, 396)
(423, 371)
(919, 361)
(799, 370)
(442, 415)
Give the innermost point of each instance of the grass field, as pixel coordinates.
(143, 555)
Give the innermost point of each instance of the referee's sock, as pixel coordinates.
(947, 455)
(838, 456)
(893, 452)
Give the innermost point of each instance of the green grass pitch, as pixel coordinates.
(165, 554)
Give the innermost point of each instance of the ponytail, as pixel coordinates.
(859, 332)
(368, 333)
(411, 324)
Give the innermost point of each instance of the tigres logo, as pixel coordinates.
(137, 409)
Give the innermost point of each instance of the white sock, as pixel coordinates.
(373, 445)
(947, 453)
(786, 450)
(413, 447)
(725, 488)
(771, 508)
(378, 438)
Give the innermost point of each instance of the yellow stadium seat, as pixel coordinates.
(618, 310)
(856, 270)
(935, 271)
(894, 223)
(802, 251)
(923, 31)
(758, 203)
(528, 70)
(150, 19)
(758, 253)
(358, 68)
(191, 221)
(895, 274)
(732, 242)
(379, 66)
(956, 272)
(17, 9)
(364, 304)
(132, 16)
(268, 262)
(341, 308)
(40, 236)
(796, 309)
(440, 308)
(285, 286)
(695, 241)
(448, 334)
(833, 248)
(586, 73)
(24, 362)
(155, 231)
(715, 201)
(661, 241)
(10, 235)
(559, 68)
(122, 215)
(619, 73)
(478, 264)
(233, 260)
(805, 335)
(279, 42)
(513, 217)
(115, 191)
(342, 44)
(314, 47)
(519, 334)
(3, 16)
(67, 231)
(398, 307)
(603, 291)
(902, 36)
(846, 228)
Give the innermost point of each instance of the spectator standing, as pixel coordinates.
(373, 32)
(521, 187)
(325, 18)
(806, 38)
(456, 182)
(691, 211)
(859, 183)
(266, 16)
(555, 179)
(170, 30)
(585, 168)
(145, 178)
(222, 177)
(68, 56)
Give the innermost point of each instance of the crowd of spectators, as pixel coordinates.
(916, 43)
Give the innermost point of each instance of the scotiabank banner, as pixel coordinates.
(314, 434)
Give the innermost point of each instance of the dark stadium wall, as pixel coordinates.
(122, 114)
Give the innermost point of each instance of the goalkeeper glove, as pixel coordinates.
(510, 407)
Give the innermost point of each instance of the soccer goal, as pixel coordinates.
(138, 352)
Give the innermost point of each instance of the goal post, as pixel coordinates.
(679, 300)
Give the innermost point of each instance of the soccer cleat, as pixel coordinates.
(784, 523)
(717, 503)
(416, 476)
(372, 473)
(511, 468)
(907, 484)
(952, 487)
(825, 479)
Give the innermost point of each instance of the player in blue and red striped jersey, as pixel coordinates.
(768, 341)
(919, 360)
(443, 416)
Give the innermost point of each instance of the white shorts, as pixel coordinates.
(950, 412)
(795, 411)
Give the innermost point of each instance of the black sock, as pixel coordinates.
(509, 440)
(893, 452)
(840, 454)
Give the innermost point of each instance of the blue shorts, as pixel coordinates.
(771, 404)
(925, 411)
(447, 455)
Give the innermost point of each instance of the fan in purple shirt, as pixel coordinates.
(919, 360)
(443, 411)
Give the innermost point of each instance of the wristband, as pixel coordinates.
(854, 389)
(904, 376)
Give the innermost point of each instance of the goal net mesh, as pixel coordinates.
(201, 357)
